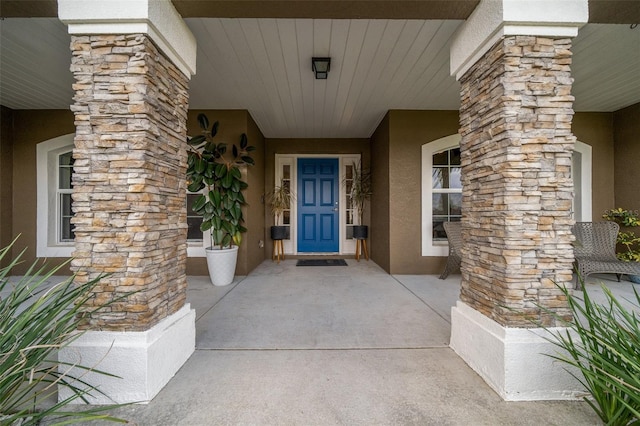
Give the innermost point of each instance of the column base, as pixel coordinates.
(145, 361)
(512, 360)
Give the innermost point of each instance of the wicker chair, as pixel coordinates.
(595, 251)
(454, 237)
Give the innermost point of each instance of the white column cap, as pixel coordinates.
(493, 19)
(156, 18)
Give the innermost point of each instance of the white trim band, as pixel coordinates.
(493, 19)
(145, 361)
(156, 18)
(512, 361)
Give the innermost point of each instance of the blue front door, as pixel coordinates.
(318, 205)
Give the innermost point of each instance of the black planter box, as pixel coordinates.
(360, 232)
(279, 232)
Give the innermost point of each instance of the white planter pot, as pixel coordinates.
(222, 264)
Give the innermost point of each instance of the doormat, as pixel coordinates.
(321, 262)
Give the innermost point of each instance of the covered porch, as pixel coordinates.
(337, 345)
(498, 82)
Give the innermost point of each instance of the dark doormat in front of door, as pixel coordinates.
(321, 262)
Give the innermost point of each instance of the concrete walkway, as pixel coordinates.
(337, 345)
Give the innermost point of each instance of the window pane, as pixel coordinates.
(193, 220)
(65, 204)
(286, 217)
(193, 232)
(455, 157)
(349, 232)
(455, 176)
(191, 198)
(66, 232)
(440, 204)
(65, 168)
(438, 230)
(66, 228)
(455, 204)
(286, 172)
(66, 159)
(441, 158)
(348, 172)
(440, 177)
(64, 177)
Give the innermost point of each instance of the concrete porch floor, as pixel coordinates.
(291, 345)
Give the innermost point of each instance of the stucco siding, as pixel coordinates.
(626, 125)
(409, 130)
(31, 127)
(380, 234)
(596, 129)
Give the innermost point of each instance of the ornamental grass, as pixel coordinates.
(603, 343)
(36, 320)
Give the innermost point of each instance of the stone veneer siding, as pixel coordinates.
(129, 179)
(517, 146)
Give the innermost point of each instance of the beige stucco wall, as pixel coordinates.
(596, 129)
(379, 233)
(626, 126)
(307, 146)
(31, 127)
(396, 163)
(408, 131)
(252, 250)
(6, 178)
(393, 154)
(232, 124)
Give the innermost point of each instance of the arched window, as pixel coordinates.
(54, 169)
(581, 173)
(442, 192)
(54, 230)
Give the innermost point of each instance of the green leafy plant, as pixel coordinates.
(36, 320)
(603, 343)
(211, 166)
(626, 239)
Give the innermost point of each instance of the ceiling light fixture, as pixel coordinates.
(320, 67)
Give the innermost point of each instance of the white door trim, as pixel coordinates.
(347, 246)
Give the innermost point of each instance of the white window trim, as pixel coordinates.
(428, 149)
(452, 141)
(586, 165)
(291, 246)
(47, 226)
(197, 248)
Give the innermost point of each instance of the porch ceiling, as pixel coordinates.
(263, 65)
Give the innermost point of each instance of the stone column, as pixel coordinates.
(515, 123)
(517, 146)
(130, 109)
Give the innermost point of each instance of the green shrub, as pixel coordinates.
(626, 239)
(603, 343)
(36, 320)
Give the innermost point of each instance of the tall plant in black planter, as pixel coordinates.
(216, 169)
(280, 200)
(359, 193)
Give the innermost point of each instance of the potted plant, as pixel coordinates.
(280, 200)
(626, 238)
(359, 191)
(215, 169)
